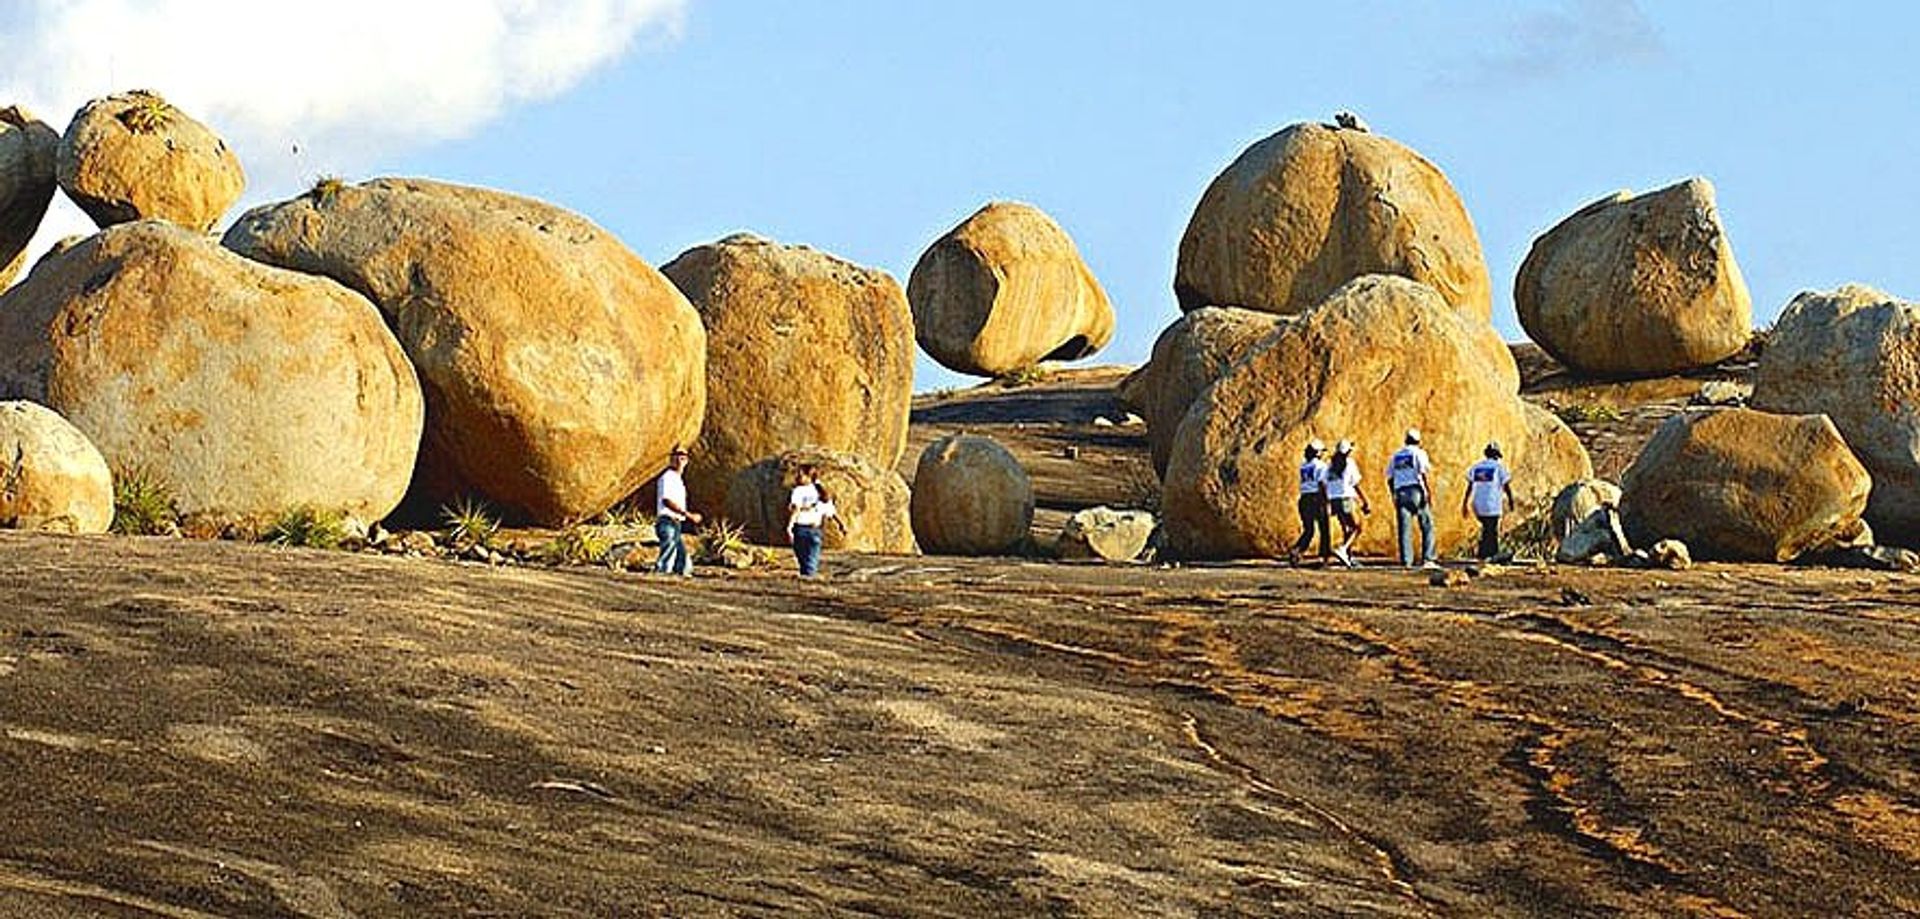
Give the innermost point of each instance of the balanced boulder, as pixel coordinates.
(246, 390)
(133, 156)
(1743, 485)
(51, 476)
(1105, 533)
(1189, 355)
(1382, 354)
(871, 503)
(802, 349)
(560, 369)
(1313, 207)
(1005, 290)
(27, 154)
(970, 497)
(1637, 286)
(1854, 356)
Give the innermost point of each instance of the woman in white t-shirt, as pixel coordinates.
(808, 509)
(1489, 494)
(1343, 490)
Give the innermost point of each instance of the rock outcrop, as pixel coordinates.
(1187, 358)
(1743, 485)
(1854, 356)
(1005, 290)
(28, 150)
(1637, 286)
(133, 156)
(873, 502)
(803, 349)
(971, 497)
(559, 368)
(1586, 521)
(51, 477)
(1381, 355)
(1313, 207)
(247, 390)
(1105, 533)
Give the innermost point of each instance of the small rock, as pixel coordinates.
(414, 542)
(1102, 422)
(1670, 554)
(1449, 577)
(1132, 421)
(1105, 533)
(1070, 452)
(1722, 392)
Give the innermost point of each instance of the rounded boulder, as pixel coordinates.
(28, 148)
(1187, 358)
(971, 497)
(873, 504)
(134, 156)
(52, 478)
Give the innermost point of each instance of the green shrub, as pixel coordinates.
(149, 113)
(1588, 413)
(1025, 376)
(470, 524)
(326, 187)
(720, 537)
(1533, 537)
(307, 527)
(143, 503)
(579, 545)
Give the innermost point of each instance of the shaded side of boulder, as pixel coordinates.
(247, 390)
(971, 497)
(1586, 522)
(803, 349)
(1637, 286)
(134, 156)
(873, 503)
(1310, 208)
(28, 148)
(1187, 358)
(1005, 290)
(1744, 485)
(51, 477)
(1854, 355)
(1577, 501)
(1105, 533)
(560, 369)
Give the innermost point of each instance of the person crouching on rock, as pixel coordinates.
(808, 508)
(1410, 475)
(1313, 505)
(1489, 494)
(670, 516)
(1343, 490)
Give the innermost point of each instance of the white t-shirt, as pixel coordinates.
(1345, 485)
(1488, 480)
(808, 510)
(1409, 463)
(1313, 476)
(670, 487)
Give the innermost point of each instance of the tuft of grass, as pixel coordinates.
(720, 537)
(1025, 376)
(143, 503)
(629, 515)
(579, 545)
(326, 187)
(307, 527)
(148, 113)
(1533, 537)
(470, 524)
(1141, 489)
(1588, 413)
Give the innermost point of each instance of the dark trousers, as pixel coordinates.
(1489, 537)
(806, 549)
(1313, 516)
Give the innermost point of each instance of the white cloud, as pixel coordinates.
(1576, 35)
(305, 88)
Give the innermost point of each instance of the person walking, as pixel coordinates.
(1343, 490)
(670, 516)
(1489, 494)
(1313, 505)
(808, 508)
(1410, 476)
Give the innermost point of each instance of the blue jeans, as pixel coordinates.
(673, 552)
(806, 548)
(1410, 505)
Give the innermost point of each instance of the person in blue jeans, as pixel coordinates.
(1409, 475)
(670, 516)
(808, 508)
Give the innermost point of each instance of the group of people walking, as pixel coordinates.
(1330, 490)
(809, 507)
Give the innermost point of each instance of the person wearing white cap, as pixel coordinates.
(1343, 489)
(1409, 475)
(1489, 494)
(1313, 505)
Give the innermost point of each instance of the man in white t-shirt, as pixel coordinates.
(1409, 475)
(1313, 505)
(670, 516)
(1343, 490)
(1489, 494)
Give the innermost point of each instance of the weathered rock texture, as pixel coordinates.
(970, 497)
(1381, 355)
(1743, 485)
(1005, 290)
(1854, 355)
(1586, 521)
(873, 502)
(803, 349)
(1637, 286)
(1311, 208)
(559, 368)
(1187, 358)
(27, 153)
(1105, 533)
(245, 389)
(51, 476)
(133, 156)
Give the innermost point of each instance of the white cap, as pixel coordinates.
(1413, 435)
(1345, 446)
(1317, 445)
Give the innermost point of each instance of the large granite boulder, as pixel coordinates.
(1586, 521)
(560, 369)
(1854, 356)
(247, 390)
(1187, 358)
(872, 502)
(803, 349)
(51, 477)
(1637, 286)
(1005, 290)
(1382, 354)
(133, 156)
(27, 153)
(1313, 207)
(971, 497)
(1744, 485)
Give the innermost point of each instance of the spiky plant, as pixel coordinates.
(307, 527)
(579, 545)
(470, 524)
(1533, 537)
(1024, 376)
(326, 188)
(143, 503)
(148, 113)
(719, 538)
